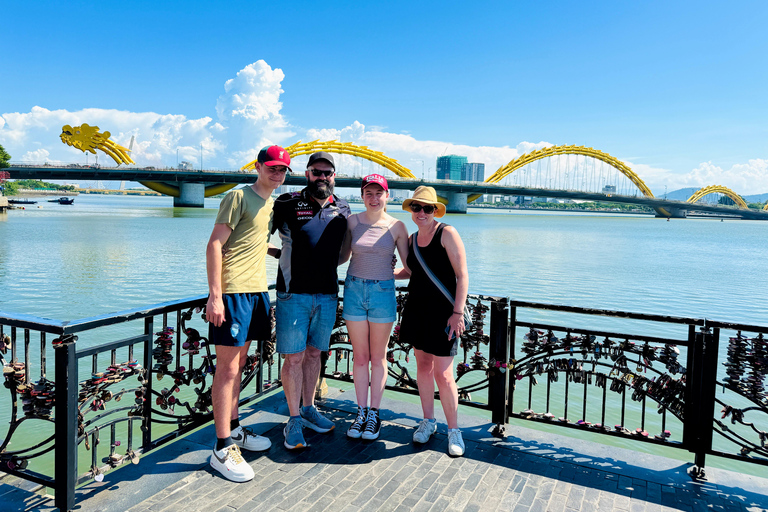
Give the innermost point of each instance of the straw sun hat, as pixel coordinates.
(425, 195)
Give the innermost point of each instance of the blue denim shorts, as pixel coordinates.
(246, 318)
(304, 319)
(369, 299)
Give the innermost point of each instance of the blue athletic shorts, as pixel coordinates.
(246, 318)
(304, 319)
(369, 299)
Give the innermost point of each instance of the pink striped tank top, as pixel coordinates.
(372, 250)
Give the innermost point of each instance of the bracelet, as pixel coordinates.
(458, 312)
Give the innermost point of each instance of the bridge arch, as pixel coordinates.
(550, 151)
(718, 189)
(345, 148)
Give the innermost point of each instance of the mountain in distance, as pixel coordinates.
(684, 193)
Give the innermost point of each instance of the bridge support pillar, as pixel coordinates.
(190, 195)
(457, 202)
(674, 213)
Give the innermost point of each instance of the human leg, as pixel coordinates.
(225, 386)
(378, 341)
(426, 381)
(322, 319)
(446, 385)
(359, 338)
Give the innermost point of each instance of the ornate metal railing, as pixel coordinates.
(600, 371)
(482, 355)
(147, 387)
(593, 377)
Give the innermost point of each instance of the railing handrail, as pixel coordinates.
(609, 312)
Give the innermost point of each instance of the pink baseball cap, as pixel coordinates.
(378, 179)
(274, 155)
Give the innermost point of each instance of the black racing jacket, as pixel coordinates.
(311, 241)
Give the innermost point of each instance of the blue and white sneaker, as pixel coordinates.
(312, 418)
(294, 434)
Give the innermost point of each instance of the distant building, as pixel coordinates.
(473, 172)
(186, 166)
(450, 167)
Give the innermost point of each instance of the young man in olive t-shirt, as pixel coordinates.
(238, 304)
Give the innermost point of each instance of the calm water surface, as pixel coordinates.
(109, 253)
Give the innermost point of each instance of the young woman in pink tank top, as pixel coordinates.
(370, 308)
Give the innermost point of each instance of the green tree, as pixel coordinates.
(4, 158)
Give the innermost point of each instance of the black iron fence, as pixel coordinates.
(647, 378)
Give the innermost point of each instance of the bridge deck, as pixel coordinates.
(527, 471)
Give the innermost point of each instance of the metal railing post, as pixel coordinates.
(498, 382)
(511, 380)
(700, 398)
(146, 424)
(65, 458)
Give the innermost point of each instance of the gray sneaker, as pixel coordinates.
(455, 443)
(424, 431)
(294, 435)
(312, 418)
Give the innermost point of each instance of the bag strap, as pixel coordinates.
(439, 284)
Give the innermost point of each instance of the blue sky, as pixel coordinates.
(675, 89)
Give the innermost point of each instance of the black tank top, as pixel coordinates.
(435, 256)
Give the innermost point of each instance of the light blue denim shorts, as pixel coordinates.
(304, 319)
(369, 299)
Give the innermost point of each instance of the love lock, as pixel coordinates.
(97, 475)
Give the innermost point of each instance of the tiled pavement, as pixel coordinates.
(525, 472)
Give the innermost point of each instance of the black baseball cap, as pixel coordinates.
(321, 155)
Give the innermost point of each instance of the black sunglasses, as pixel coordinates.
(428, 208)
(317, 173)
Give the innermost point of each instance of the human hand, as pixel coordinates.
(214, 311)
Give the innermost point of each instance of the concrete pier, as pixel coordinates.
(191, 195)
(457, 201)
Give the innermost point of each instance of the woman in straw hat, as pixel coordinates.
(370, 307)
(430, 323)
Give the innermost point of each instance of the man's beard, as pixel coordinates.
(319, 193)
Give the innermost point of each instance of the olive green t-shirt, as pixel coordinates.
(243, 268)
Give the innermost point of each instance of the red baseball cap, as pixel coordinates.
(274, 155)
(378, 179)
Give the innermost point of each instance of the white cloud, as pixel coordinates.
(39, 155)
(248, 116)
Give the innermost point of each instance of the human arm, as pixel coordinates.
(274, 250)
(454, 247)
(346, 246)
(214, 309)
(401, 242)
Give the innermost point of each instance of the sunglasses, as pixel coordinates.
(428, 208)
(317, 173)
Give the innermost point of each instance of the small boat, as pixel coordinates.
(21, 201)
(63, 200)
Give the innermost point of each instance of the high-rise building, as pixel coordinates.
(450, 167)
(473, 172)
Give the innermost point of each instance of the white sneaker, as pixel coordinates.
(246, 439)
(230, 463)
(455, 442)
(424, 431)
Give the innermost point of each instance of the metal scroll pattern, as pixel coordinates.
(559, 369)
(746, 367)
(473, 367)
(183, 399)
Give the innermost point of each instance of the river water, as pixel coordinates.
(110, 253)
